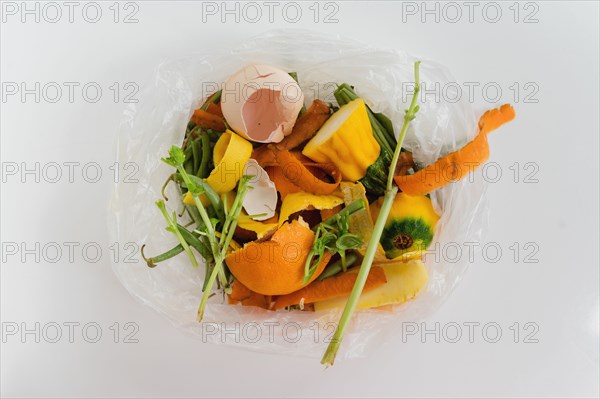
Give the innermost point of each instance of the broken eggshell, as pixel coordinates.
(262, 197)
(261, 103)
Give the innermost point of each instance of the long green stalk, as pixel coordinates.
(226, 237)
(365, 267)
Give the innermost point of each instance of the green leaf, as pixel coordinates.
(176, 157)
(348, 241)
(328, 239)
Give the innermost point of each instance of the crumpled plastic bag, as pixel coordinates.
(384, 79)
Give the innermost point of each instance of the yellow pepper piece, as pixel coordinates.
(404, 282)
(296, 202)
(346, 140)
(230, 155)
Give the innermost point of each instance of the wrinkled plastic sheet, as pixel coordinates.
(384, 79)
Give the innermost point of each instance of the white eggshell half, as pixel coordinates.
(261, 103)
(262, 197)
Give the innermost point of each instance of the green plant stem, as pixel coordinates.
(211, 194)
(365, 267)
(408, 116)
(208, 288)
(174, 229)
(210, 230)
(236, 209)
(349, 210)
(211, 239)
(226, 237)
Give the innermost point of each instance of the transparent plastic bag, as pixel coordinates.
(384, 79)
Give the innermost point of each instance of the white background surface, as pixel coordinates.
(558, 54)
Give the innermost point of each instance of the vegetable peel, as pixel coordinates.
(457, 164)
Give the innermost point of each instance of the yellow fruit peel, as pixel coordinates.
(230, 155)
(296, 202)
(404, 281)
(260, 228)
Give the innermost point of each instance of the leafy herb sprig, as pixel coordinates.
(333, 235)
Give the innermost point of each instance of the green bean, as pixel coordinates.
(206, 156)
(151, 262)
(213, 134)
(386, 123)
(214, 98)
(195, 155)
(188, 165)
(337, 266)
(195, 242)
